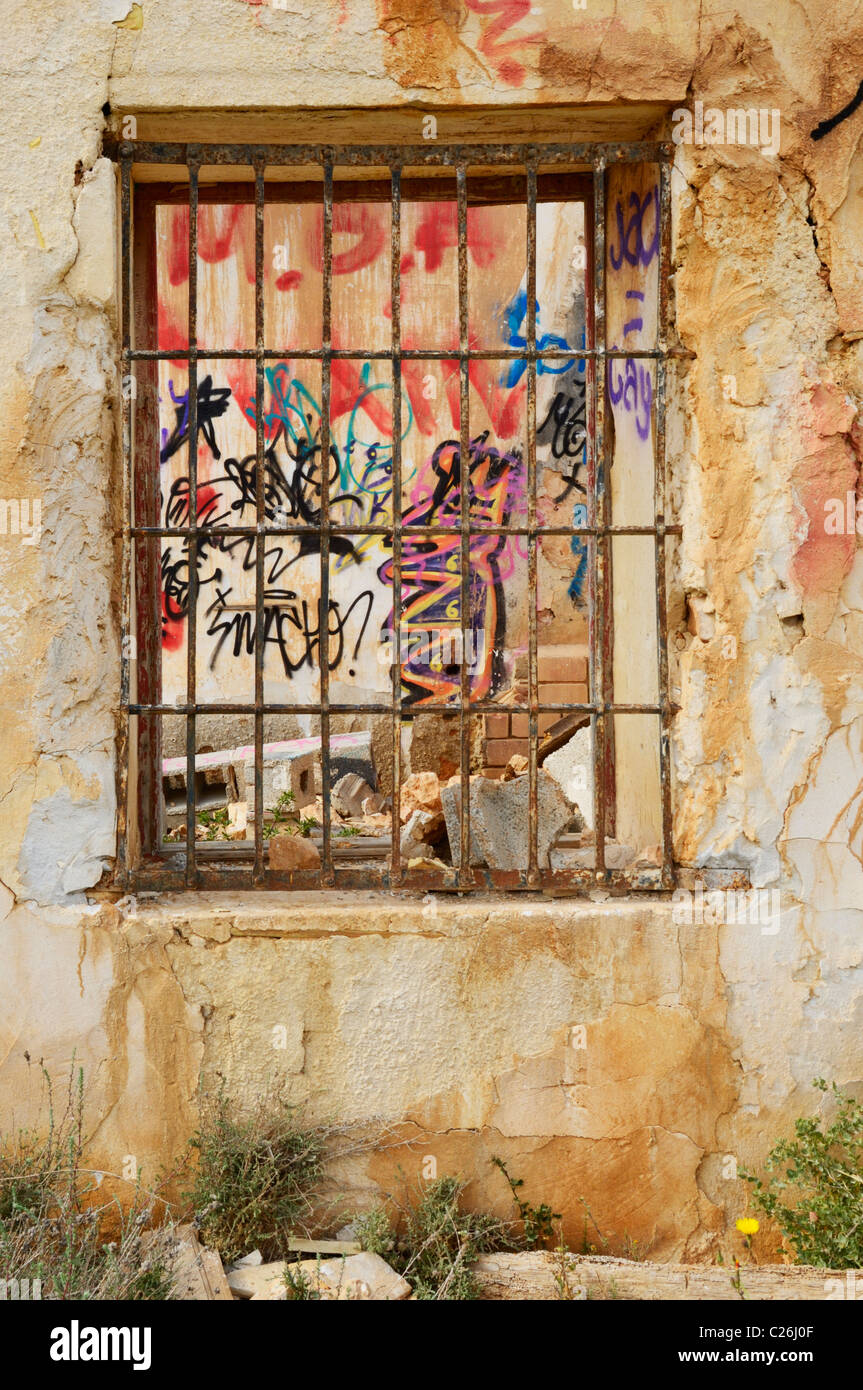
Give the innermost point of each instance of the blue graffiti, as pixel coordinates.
(515, 315)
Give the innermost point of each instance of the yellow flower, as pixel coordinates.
(747, 1225)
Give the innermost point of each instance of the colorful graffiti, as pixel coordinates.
(358, 475)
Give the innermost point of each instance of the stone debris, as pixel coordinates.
(373, 804)
(421, 833)
(499, 819)
(258, 1281)
(362, 1276)
(254, 1258)
(420, 792)
(196, 1270)
(572, 768)
(293, 852)
(516, 767)
(238, 816)
(349, 794)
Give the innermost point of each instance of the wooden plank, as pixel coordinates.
(326, 1247)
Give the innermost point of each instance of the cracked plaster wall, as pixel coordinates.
(729, 1024)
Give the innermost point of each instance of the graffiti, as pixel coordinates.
(431, 572)
(515, 315)
(634, 386)
(212, 403)
(564, 425)
(507, 14)
(448, 627)
(292, 626)
(634, 247)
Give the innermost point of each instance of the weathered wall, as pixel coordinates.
(705, 1039)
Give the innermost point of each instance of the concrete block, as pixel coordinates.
(499, 820)
(572, 768)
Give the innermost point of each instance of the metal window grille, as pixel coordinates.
(144, 864)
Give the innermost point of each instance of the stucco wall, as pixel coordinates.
(706, 1037)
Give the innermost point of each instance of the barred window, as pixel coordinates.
(394, 517)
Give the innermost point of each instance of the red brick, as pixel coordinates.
(497, 726)
(562, 694)
(520, 725)
(546, 721)
(498, 751)
(566, 664)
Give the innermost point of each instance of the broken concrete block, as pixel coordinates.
(364, 1276)
(516, 767)
(196, 1271)
(420, 792)
(293, 852)
(249, 1261)
(420, 833)
(373, 804)
(572, 768)
(256, 1281)
(238, 815)
(350, 793)
(499, 820)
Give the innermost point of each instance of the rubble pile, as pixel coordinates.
(429, 818)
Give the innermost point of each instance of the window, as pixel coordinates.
(323, 627)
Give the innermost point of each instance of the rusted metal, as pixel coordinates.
(395, 300)
(659, 522)
(533, 875)
(464, 480)
(597, 516)
(177, 866)
(128, 544)
(314, 156)
(192, 538)
(260, 521)
(324, 611)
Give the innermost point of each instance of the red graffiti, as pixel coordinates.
(367, 222)
(508, 13)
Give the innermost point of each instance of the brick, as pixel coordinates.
(498, 751)
(566, 664)
(520, 725)
(497, 726)
(493, 772)
(546, 721)
(562, 694)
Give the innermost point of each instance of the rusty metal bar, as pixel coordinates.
(464, 477)
(192, 540)
(388, 156)
(396, 302)
(123, 866)
(597, 515)
(260, 520)
(477, 707)
(324, 611)
(533, 875)
(664, 272)
(427, 531)
(386, 354)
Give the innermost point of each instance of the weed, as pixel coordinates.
(54, 1222)
(814, 1187)
(538, 1221)
(438, 1242)
(254, 1176)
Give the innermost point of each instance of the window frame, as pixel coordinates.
(504, 173)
